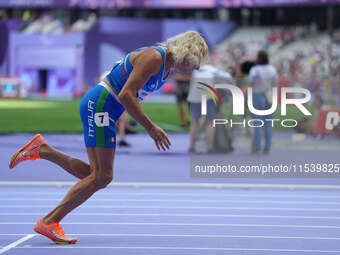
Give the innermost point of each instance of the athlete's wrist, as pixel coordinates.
(150, 129)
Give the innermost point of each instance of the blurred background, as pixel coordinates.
(53, 51)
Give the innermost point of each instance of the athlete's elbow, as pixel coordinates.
(123, 96)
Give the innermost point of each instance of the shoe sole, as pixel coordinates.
(55, 241)
(22, 149)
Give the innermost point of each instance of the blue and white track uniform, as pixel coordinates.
(100, 107)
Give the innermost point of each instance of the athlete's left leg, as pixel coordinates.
(101, 161)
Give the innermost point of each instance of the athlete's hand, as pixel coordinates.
(160, 137)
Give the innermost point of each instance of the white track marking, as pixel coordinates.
(182, 185)
(199, 236)
(182, 215)
(183, 207)
(16, 243)
(293, 194)
(178, 248)
(96, 200)
(183, 224)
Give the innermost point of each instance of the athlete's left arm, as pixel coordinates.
(145, 65)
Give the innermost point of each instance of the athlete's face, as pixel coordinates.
(187, 66)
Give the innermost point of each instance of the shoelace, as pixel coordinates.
(60, 230)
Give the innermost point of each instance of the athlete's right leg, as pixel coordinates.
(74, 166)
(38, 148)
(94, 101)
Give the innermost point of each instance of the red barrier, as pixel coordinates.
(283, 82)
(326, 121)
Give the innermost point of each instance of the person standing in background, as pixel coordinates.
(210, 75)
(182, 89)
(121, 126)
(263, 77)
(243, 82)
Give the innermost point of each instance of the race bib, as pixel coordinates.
(102, 119)
(142, 94)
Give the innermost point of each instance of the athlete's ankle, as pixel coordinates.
(46, 221)
(45, 150)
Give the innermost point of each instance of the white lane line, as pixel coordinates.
(183, 224)
(96, 200)
(180, 185)
(183, 207)
(293, 194)
(177, 248)
(16, 243)
(200, 236)
(182, 215)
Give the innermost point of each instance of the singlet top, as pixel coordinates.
(207, 74)
(263, 77)
(122, 69)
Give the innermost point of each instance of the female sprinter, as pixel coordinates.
(130, 80)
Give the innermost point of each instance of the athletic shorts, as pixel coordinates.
(182, 90)
(99, 111)
(195, 110)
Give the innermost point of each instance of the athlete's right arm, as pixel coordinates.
(146, 64)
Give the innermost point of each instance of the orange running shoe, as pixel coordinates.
(31, 151)
(54, 232)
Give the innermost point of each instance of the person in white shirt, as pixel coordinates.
(263, 78)
(210, 75)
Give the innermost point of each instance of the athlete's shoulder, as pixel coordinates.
(149, 60)
(151, 54)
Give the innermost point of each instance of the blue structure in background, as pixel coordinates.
(70, 63)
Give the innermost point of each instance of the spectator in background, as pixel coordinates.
(210, 75)
(82, 25)
(243, 82)
(263, 77)
(45, 24)
(28, 17)
(121, 126)
(182, 89)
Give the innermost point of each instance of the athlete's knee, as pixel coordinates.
(103, 179)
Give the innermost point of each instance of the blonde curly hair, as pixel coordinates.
(188, 45)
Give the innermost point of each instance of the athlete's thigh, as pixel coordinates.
(99, 111)
(101, 159)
